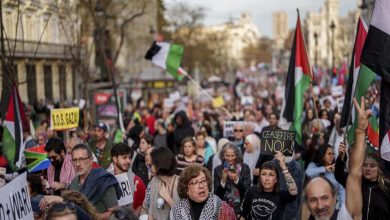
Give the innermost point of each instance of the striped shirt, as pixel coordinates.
(182, 163)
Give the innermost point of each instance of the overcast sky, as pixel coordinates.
(219, 11)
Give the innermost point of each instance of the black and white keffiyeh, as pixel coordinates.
(182, 209)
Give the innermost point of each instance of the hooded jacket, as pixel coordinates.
(181, 131)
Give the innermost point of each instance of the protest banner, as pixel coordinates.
(247, 100)
(273, 140)
(64, 118)
(15, 201)
(337, 91)
(228, 128)
(124, 184)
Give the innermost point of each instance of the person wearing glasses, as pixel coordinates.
(99, 186)
(196, 201)
(65, 210)
(60, 171)
(238, 136)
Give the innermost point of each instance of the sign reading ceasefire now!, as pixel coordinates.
(273, 140)
(64, 118)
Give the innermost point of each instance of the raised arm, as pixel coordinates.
(354, 199)
(290, 182)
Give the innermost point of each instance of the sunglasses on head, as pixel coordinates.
(60, 207)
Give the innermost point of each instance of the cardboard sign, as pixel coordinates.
(228, 128)
(64, 118)
(337, 91)
(15, 201)
(273, 140)
(124, 184)
(218, 102)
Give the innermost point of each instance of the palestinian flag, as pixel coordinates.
(365, 78)
(361, 34)
(167, 56)
(15, 123)
(372, 135)
(299, 77)
(376, 57)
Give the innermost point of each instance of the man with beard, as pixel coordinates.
(60, 172)
(100, 145)
(99, 186)
(321, 195)
(121, 157)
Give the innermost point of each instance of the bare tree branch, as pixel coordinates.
(123, 30)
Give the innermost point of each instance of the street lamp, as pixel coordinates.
(332, 28)
(316, 48)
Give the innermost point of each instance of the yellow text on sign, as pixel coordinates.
(64, 118)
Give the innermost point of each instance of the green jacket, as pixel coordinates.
(105, 159)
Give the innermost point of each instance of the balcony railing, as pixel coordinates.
(31, 49)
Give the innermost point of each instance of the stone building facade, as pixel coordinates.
(38, 39)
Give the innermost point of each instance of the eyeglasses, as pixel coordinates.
(197, 183)
(237, 130)
(75, 160)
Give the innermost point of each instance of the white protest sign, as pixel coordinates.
(316, 90)
(340, 103)
(168, 103)
(124, 184)
(246, 100)
(14, 200)
(337, 91)
(228, 128)
(175, 96)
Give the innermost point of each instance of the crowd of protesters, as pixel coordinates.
(180, 165)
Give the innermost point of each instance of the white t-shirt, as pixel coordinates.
(344, 214)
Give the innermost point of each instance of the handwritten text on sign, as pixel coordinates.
(15, 201)
(124, 184)
(64, 118)
(277, 140)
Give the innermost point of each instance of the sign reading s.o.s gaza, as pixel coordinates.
(14, 200)
(64, 118)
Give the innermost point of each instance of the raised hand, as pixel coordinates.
(363, 114)
(282, 161)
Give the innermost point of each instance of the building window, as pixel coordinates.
(48, 81)
(62, 82)
(31, 83)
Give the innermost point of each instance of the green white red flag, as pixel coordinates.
(299, 77)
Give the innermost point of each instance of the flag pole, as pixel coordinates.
(182, 71)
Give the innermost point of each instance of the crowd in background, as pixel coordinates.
(181, 166)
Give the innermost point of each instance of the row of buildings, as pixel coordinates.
(329, 36)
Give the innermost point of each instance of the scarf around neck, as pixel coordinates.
(182, 209)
